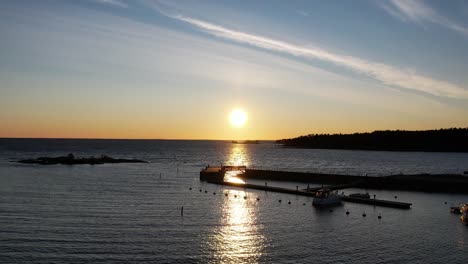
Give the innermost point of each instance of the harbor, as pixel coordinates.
(215, 175)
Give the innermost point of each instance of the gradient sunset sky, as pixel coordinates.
(176, 69)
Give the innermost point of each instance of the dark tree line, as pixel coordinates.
(443, 140)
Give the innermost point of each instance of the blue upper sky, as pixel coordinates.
(159, 69)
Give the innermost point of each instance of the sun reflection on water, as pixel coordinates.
(237, 157)
(238, 238)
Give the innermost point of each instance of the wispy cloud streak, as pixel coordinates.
(418, 12)
(385, 73)
(113, 2)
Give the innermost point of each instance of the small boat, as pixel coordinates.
(464, 213)
(325, 197)
(360, 195)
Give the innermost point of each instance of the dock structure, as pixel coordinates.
(377, 202)
(440, 183)
(215, 175)
(311, 193)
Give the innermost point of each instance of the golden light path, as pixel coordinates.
(237, 157)
(238, 238)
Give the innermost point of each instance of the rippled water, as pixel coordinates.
(132, 212)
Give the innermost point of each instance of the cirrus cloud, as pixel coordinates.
(387, 74)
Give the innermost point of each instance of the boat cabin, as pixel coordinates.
(323, 193)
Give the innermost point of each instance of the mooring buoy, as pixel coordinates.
(364, 214)
(379, 217)
(226, 194)
(279, 201)
(258, 199)
(347, 212)
(190, 188)
(289, 202)
(214, 193)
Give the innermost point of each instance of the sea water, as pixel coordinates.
(128, 213)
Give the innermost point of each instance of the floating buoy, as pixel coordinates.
(245, 197)
(258, 199)
(347, 212)
(289, 202)
(396, 196)
(206, 191)
(200, 190)
(304, 204)
(226, 194)
(235, 196)
(379, 217)
(364, 214)
(331, 210)
(190, 188)
(214, 193)
(279, 201)
(445, 203)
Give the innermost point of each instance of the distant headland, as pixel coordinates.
(441, 140)
(71, 160)
(245, 142)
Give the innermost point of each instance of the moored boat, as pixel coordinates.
(324, 198)
(464, 213)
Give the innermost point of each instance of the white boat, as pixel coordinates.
(464, 213)
(324, 198)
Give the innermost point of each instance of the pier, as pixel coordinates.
(215, 175)
(311, 193)
(437, 183)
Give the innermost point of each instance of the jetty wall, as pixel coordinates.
(447, 183)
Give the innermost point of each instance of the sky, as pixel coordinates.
(156, 69)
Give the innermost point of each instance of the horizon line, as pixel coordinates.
(161, 139)
(194, 139)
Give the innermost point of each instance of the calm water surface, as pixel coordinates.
(126, 213)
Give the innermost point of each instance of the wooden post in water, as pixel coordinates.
(182, 211)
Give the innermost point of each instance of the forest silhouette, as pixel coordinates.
(441, 140)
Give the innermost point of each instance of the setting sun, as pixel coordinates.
(238, 118)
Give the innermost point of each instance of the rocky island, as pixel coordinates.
(71, 160)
